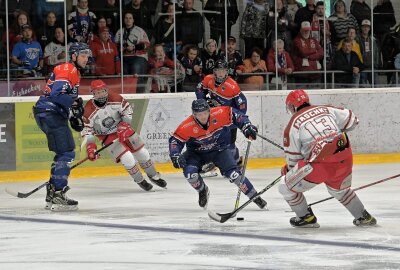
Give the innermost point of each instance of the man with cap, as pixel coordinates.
(108, 117)
(27, 53)
(105, 54)
(369, 49)
(234, 59)
(52, 111)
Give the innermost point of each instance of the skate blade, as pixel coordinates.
(308, 226)
(63, 208)
(208, 174)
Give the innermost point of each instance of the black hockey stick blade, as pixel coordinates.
(226, 216)
(24, 195)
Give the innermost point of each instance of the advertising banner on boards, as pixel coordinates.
(7, 137)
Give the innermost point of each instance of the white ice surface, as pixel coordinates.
(119, 226)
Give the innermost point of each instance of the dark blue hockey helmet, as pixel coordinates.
(220, 71)
(200, 105)
(79, 48)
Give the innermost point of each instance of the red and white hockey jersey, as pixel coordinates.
(311, 125)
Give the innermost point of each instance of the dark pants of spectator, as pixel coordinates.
(217, 32)
(136, 65)
(250, 43)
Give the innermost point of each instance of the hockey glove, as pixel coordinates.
(284, 170)
(76, 123)
(250, 131)
(77, 108)
(178, 161)
(124, 131)
(91, 150)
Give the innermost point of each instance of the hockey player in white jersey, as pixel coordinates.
(318, 151)
(108, 117)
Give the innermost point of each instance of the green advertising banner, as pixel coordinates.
(31, 143)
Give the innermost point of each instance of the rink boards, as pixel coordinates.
(23, 147)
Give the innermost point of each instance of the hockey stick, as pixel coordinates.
(224, 217)
(271, 142)
(362, 187)
(25, 195)
(243, 172)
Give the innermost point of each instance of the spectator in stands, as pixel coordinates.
(292, 6)
(384, 19)
(282, 19)
(27, 54)
(254, 64)
(42, 7)
(141, 15)
(253, 25)
(164, 33)
(304, 14)
(317, 31)
(46, 33)
(235, 58)
(352, 34)
(346, 60)
(369, 49)
(101, 24)
(341, 21)
(189, 25)
(111, 13)
(284, 66)
(135, 45)
(105, 54)
(54, 52)
(81, 23)
(360, 10)
(193, 67)
(307, 52)
(160, 64)
(15, 8)
(15, 31)
(209, 56)
(397, 61)
(217, 20)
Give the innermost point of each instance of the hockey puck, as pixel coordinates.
(240, 218)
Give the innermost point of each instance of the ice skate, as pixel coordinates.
(203, 197)
(156, 179)
(307, 221)
(60, 201)
(260, 202)
(145, 185)
(49, 196)
(208, 170)
(366, 220)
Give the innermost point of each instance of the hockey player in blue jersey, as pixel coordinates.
(52, 111)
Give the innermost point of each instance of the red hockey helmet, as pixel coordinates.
(99, 91)
(295, 99)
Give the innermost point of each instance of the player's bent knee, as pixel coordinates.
(233, 175)
(286, 192)
(142, 155)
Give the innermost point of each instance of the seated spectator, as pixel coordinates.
(189, 25)
(307, 52)
(105, 54)
(46, 33)
(209, 56)
(135, 46)
(193, 67)
(164, 33)
(351, 34)
(284, 67)
(340, 22)
(15, 31)
(254, 65)
(54, 52)
(384, 19)
(282, 18)
(235, 59)
(160, 64)
(27, 54)
(347, 61)
(360, 10)
(141, 15)
(81, 23)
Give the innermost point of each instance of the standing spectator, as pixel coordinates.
(304, 14)
(105, 54)
(100, 24)
(27, 53)
(47, 32)
(189, 24)
(282, 19)
(193, 66)
(360, 10)
(15, 31)
(81, 23)
(369, 49)
(235, 58)
(135, 45)
(341, 21)
(254, 25)
(164, 33)
(15, 8)
(217, 20)
(209, 56)
(351, 34)
(306, 56)
(54, 52)
(42, 7)
(292, 6)
(284, 66)
(347, 61)
(317, 31)
(384, 19)
(160, 64)
(254, 65)
(110, 11)
(141, 15)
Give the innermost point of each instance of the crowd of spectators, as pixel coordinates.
(296, 43)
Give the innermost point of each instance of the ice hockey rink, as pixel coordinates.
(119, 226)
